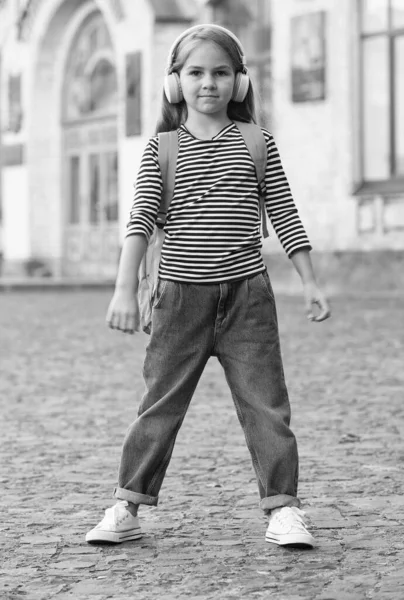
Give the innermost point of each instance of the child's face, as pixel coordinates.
(207, 79)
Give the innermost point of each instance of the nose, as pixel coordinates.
(208, 81)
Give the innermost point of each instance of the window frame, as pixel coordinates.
(395, 182)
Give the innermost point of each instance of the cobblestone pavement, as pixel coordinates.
(69, 388)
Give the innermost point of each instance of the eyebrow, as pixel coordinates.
(218, 67)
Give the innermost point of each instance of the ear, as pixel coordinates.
(172, 88)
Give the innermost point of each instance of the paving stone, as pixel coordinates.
(71, 565)
(39, 540)
(68, 389)
(110, 559)
(81, 550)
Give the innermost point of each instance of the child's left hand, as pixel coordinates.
(314, 296)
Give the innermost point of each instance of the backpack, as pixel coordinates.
(167, 156)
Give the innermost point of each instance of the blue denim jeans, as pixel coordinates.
(237, 322)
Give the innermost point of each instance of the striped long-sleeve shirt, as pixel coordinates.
(212, 230)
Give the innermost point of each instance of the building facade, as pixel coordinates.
(81, 83)
(338, 117)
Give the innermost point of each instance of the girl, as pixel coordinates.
(214, 296)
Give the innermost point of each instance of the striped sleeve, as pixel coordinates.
(148, 188)
(280, 205)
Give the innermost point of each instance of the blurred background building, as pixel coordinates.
(81, 84)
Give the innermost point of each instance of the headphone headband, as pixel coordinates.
(195, 28)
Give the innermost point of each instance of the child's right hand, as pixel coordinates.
(123, 312)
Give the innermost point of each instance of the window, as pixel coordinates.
(95, 188)
(111, 199)
(91, 87)
(74, 212)
(382, 91)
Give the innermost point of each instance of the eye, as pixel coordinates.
(222, 73)
(194, 72)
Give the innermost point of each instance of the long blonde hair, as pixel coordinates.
(173, 115)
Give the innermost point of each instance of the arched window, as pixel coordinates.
(91, 88)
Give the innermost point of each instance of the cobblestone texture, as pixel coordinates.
(69, 388)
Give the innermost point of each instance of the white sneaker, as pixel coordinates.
(287, 528)
(118, 525)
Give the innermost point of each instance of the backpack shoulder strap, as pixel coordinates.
(257, 147)
(256, 144)
(168, 152)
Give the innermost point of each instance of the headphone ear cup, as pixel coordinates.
(172, 88)
(241, 86)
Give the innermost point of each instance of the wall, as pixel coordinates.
(135, 34)
(156, 44)
(15, 243)
(16, 236)
(315, 138)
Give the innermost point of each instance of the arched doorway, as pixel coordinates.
(90, 156)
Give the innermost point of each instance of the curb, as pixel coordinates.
(280, 288)
(40, 284)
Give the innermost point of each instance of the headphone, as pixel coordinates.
(172, 85)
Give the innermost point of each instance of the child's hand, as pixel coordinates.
(313, 295)
(123, 312)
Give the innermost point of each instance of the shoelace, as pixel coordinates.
(292, 518)
(124, 515)
(111, 514)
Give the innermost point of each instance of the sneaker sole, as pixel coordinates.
(294, 541)
(111, 537)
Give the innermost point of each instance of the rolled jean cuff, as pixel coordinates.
(271, 502)
(135, 497)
